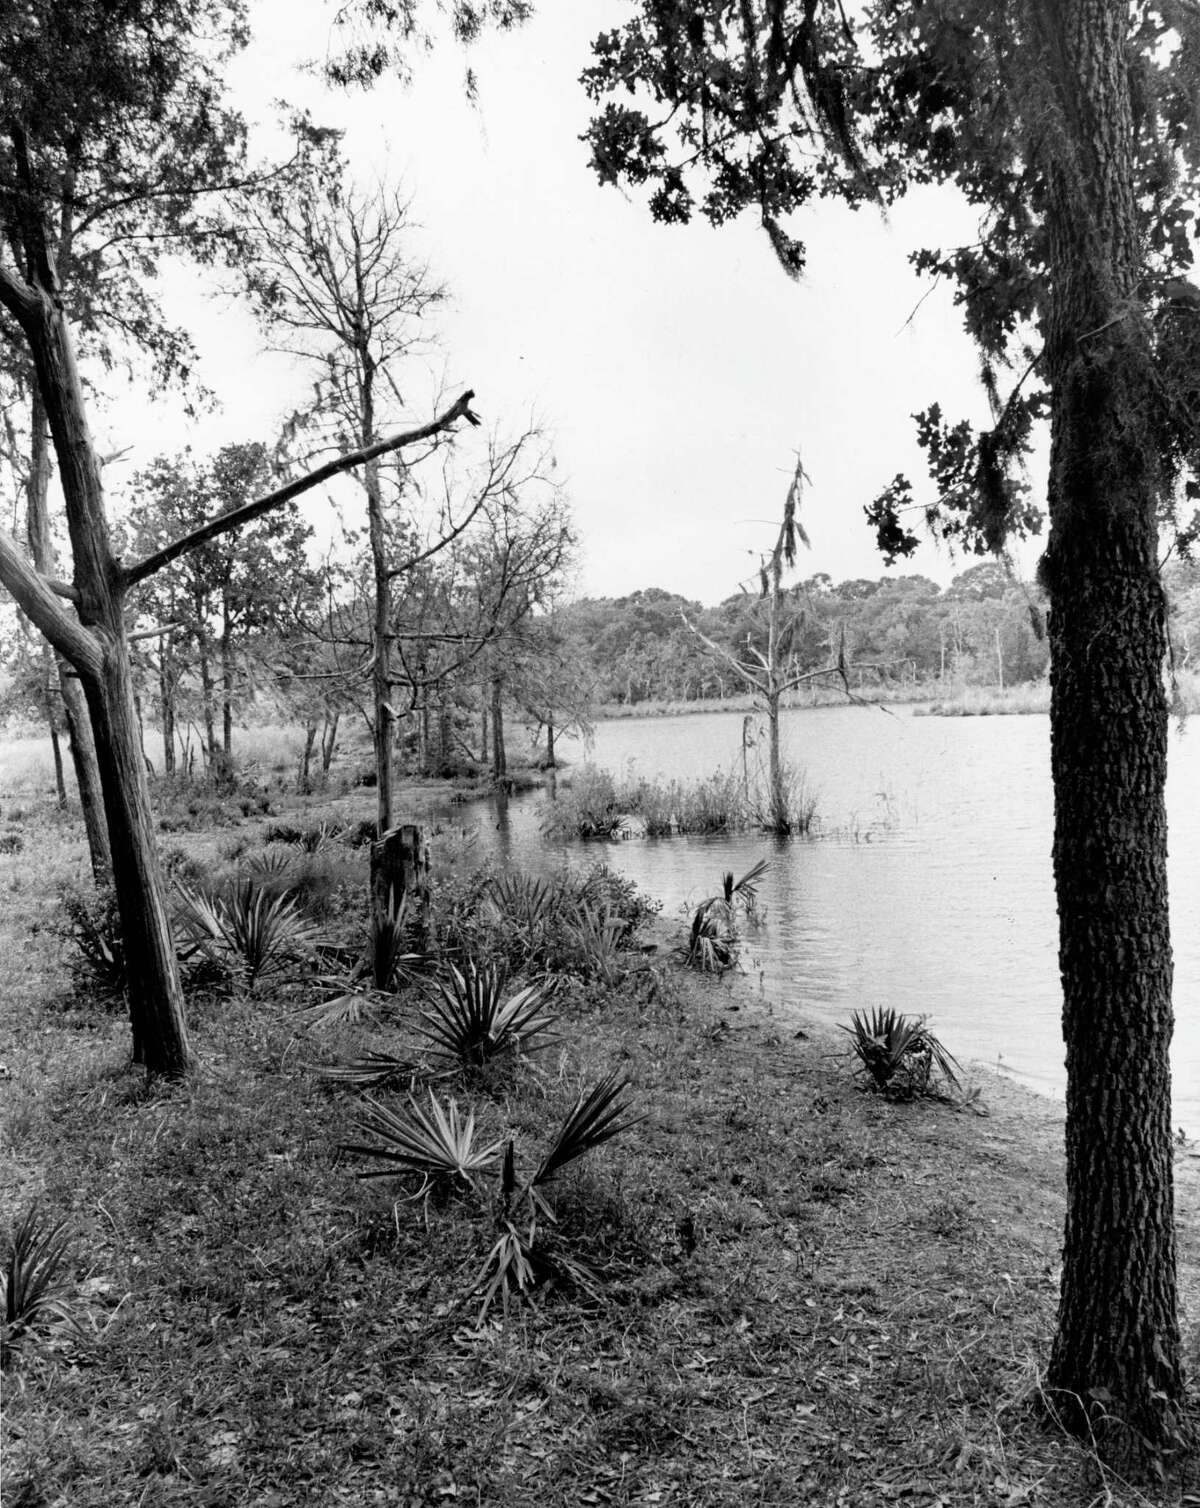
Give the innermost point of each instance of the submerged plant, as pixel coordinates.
(34, 1294)
(472, 1020)
(899, 1053)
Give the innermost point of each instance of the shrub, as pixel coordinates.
(249, 935)
(93, 928)
(34, 1294)
(898, 1053)
(472, 1020)
(439, 1146)
(389, 944)
(587, 808)
(529, 1247)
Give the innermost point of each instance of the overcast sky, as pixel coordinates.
(676, 368)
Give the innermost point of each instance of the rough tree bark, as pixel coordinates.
(79, 729)
(160, 1039)
(1116, 1350)
(499, 755)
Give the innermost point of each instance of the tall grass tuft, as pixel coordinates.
(596, 805)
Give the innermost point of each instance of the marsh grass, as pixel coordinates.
(597, 804)
(984, 701)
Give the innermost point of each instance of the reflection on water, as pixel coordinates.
(929, 889)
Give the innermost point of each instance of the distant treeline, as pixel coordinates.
(984, 629)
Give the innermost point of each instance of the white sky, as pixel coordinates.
(676, 368)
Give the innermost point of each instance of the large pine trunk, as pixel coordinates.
(1116, 1350)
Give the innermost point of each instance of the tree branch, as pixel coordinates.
(461, 409)
(749, 676)
(34, 596)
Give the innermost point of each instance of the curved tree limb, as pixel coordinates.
(223, 523)
(35, 596)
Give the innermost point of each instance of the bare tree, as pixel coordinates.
(336, 285)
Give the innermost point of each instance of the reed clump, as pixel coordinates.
(598, 804)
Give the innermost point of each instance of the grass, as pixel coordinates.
(594, 803)
(804, 1293)
(988, 701)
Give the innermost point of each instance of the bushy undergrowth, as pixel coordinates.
(566, 924)
(91, 928)
(596, 804)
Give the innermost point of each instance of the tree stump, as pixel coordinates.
(399, 872)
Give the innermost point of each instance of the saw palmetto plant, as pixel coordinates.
(250, 934)
(472, 1019)
(528, 1249)
(34, 1293)
(438, 1145)
(898, 1053)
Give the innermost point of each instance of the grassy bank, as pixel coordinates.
(983, 701)
(802, 1293)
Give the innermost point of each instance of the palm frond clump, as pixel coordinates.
(472, 1019)
(250, 935)
(34, 1293)
(438, 1145)
(528, 1250)
(898, 1053)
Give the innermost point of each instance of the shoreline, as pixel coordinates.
(804, 1292)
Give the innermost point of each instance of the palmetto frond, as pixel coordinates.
(438, 1144)
(375, 1070)
(252, 933)
(898, 1051)
(33, 1293)
(470, 1020)
(595, 1117)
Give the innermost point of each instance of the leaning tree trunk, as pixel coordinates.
(155, 997)
(1116, 1351)
(79, 728)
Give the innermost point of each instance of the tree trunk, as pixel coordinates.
(1116, 1351)
(206, 698)
(400, 872)
(780, 819)
(166, 704)
(79, 729)
(303, 773)
(381, 679)
(328, 742)
(444, 738)
(60, 784)
(226, 685)
(499, 757)
(155, 997)
(551, 762)
(484, 745)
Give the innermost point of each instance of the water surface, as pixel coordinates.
(929, 888)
